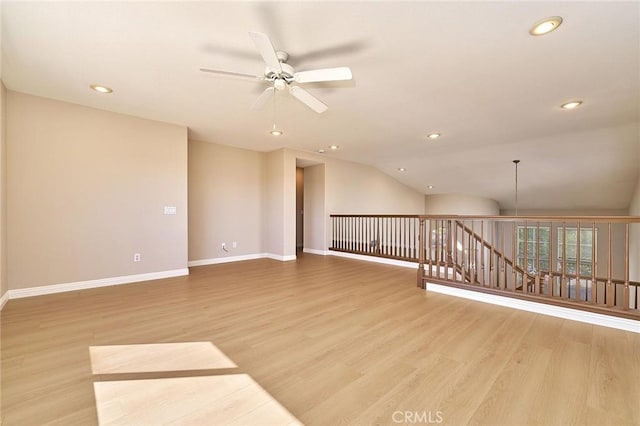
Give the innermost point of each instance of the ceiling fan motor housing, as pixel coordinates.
(286, 75)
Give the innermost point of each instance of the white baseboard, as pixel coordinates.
(540, 308)
(280, 258)
(216, 260)
(103, 282)
(315, 251)
(375, 259)
(3, 300)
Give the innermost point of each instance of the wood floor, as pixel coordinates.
(333, 341)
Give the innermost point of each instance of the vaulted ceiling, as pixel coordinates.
(468, 70)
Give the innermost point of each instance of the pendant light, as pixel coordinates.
(274, 130)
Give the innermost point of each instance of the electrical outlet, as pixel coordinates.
(235, 244)
(137, 257)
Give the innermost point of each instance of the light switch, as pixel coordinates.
(169, 210)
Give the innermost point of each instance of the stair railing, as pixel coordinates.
(580, 262)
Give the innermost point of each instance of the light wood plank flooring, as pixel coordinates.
(334, 341)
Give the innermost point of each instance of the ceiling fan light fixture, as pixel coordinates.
(571, 105)
(430, 187)
(321, 151)
(275, 131)
(279, 84)
(433, 135)
(402, 169)
(545, 26)
(101, 89)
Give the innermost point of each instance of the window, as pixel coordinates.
(530, 241)
(531, 249)
(586, 250)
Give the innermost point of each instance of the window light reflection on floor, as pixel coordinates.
(203, 399)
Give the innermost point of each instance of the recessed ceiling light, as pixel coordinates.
(276, 132)
(430, 186)
(571, 105)
(101, 89)
(433, 135)
(321, 151)
(401, 169)
(334, 147)
(545, 26)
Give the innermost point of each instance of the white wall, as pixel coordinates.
(460, 204)
(87, 189)
(225, 201)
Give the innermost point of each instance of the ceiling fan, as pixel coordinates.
(278, 74)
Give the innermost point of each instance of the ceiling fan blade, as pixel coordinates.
(326, 74)
(232, 74)
(308, 99)
(268, 53)
(263, 98)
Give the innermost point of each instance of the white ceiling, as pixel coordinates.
(467, 69)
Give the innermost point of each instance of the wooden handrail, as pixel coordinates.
(433, 243)
(566, 219)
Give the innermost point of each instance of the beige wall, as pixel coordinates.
(289, 205)
(274, 204)
(86, 190)
(358, 189)
(354, 188)
(350, 188)
(267, 181)
(314, 207)
(225, 200)
(299, 207)
(4, 283)
(634, 240)
(446, 204)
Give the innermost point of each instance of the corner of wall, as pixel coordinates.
(634, 240)
(4, 284)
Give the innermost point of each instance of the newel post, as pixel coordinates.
(421, 251)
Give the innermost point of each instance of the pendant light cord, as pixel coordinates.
(516, 163)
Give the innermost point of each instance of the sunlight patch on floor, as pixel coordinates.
(157, 357)
(212, 399)
(232, 399)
